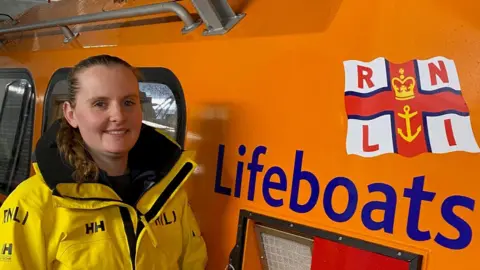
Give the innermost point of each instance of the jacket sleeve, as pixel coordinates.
(22, 238)
(194, 247)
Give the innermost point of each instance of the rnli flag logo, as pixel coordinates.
(409, 109)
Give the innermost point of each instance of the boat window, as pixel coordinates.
(17, 101)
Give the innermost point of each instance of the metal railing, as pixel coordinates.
(218, 16)
(179, 10)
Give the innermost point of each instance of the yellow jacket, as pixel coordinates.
(50, 222)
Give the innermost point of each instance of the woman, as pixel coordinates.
(107, 189)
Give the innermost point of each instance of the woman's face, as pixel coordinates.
(107, 110)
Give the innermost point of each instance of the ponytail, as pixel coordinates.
(72, 146)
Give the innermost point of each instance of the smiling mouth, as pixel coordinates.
(117, 132)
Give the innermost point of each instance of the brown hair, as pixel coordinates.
(70, 142)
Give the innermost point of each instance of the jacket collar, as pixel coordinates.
(158, 166)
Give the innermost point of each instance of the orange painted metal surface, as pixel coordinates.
(277, 80)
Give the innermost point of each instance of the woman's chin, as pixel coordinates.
(117, 152)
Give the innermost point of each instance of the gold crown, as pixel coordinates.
(403, 87)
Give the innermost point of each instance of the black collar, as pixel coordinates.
(150, 159)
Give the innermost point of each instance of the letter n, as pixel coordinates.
(439, 71)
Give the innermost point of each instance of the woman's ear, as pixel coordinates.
(69, 114)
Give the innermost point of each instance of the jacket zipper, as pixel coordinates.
(129, 231)
(132, 236)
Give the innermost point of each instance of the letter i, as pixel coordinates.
(238, 179)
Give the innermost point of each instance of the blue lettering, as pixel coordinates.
(462, 227)
(299, 175)
(218, 177)
(254, 167)
(268, 184)
(417, 195)
(352, 199)
(238, 179)
(389, 207)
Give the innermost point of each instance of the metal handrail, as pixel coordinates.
(181, 12)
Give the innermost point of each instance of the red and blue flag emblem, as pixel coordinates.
(409, 109)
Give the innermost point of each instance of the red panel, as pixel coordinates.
(328, 255)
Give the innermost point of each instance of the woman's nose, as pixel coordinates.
(117, 113)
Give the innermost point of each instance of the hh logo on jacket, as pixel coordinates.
(94, 227)
(6, 252)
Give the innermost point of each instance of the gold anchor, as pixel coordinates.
(407, 116)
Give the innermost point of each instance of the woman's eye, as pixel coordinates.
(129, 102)
(99, 104)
